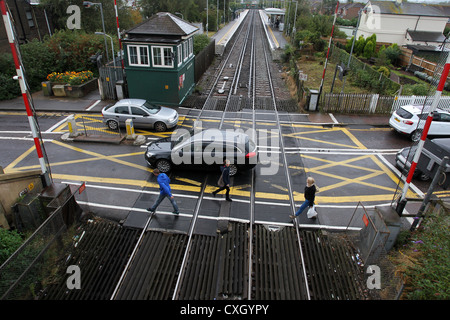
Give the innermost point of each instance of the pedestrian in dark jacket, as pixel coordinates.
(164, 192)
(310, 195)
(226, 180)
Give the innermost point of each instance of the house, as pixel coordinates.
(349, 10)
(403, 22)
(159, 59)
(30, 22)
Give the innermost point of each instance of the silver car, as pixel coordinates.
(143, 113)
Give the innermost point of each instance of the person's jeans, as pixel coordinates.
(161, 198)
(302, 207)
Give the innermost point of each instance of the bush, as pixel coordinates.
(9, 88)
(385, 71)
(10, 241)
(201, 41)
(38, 61)
(423, 262)
(393, 53)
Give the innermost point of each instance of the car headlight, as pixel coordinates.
(172, 119)
(149, 154)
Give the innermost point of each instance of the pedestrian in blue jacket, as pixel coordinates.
(164, 191)
(226, 180)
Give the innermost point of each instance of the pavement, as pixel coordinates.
(89, 103)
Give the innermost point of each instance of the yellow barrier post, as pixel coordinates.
(130, 130)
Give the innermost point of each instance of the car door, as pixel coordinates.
(436, 125)
(445, 124)
(121, 113)
(141, 119)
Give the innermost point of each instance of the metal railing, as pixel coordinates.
(23, 273)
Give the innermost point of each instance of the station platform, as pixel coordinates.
(275, 37)
(224, 35)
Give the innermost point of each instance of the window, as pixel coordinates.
(138, 111)
(180, 54)
(138, 55)
(122, 110)
(191, 46)
(29, 18)
(162, 57)
(445, 117)
(185, 50)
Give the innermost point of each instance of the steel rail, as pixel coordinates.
(286, 169)
(189, 243)
(238, 68)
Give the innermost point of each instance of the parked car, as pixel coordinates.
(205, 150)
(403, 161)
(406, 119)
(143, 113)
(433, 152)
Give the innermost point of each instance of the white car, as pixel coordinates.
(406, 119)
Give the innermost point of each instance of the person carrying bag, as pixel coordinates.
(310, 195)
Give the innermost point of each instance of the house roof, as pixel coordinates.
(408, 8)
(426, 36)
(162, 24)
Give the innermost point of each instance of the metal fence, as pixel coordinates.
(27, 270)
(109, 74)
(374, 103)
(369, 234)
(204, 59)
(94, 126)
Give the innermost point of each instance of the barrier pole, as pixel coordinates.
(437, 97)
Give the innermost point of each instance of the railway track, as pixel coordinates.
(247, 260)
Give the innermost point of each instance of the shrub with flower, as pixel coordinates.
(70, 77)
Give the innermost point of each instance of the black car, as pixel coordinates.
(203, 150)
(403, 161)
(433, 150)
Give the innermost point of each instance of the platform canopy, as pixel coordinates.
(275, 11)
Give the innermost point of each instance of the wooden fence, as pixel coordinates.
(373, 103)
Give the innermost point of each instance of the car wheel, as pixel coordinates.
(163, 165)
(160, 126)
(416, 135)
(112, 124)
(233, 170)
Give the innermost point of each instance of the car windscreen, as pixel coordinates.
(152, 108)
(404, 114)
(408, 153)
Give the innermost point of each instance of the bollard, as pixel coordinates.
(71, 123)
(130, 130)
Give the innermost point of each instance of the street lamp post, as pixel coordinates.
(88, 4)
(112, 50)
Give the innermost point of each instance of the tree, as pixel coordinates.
(393, 53)
(90, 17)
(370, 46)
(359, 46)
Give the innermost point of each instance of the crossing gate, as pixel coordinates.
(108, 77)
